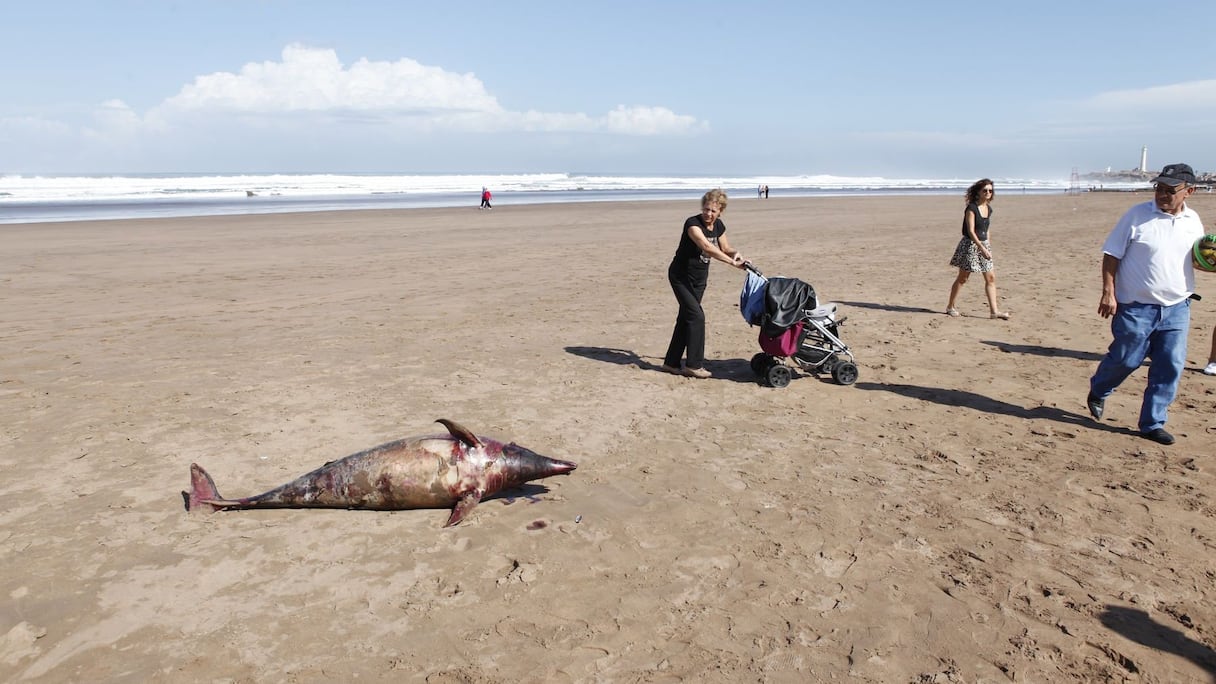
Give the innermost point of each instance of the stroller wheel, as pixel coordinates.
(845, 372)
(760, 362)
(778, 375)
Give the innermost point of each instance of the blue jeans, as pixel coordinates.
(1145, 331)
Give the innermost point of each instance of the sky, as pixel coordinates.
(889, 88)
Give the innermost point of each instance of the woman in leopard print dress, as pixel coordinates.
(974, 251)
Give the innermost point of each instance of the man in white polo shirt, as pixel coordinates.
(1147, 282)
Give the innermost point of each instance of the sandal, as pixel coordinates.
(953, 312)
(1003, 315)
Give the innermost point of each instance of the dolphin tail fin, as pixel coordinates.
(463, 507)
(202, 492)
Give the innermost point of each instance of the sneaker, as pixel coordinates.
(674, 370)
(1159, 435)
(1210, 369)
(700, 373)
(1095, 406)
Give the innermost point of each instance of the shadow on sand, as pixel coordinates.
(1036, 350)
(621, 357)
(734, 370)
(1136, 625)
(1063, 353)
(529, 490)
(891, 307)
(979, 402)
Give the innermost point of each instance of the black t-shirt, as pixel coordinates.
(981, 222)
(688, 254)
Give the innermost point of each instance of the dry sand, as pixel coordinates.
(955, 516)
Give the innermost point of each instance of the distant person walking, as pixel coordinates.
(703, 239)
(1147, 282)
(485, 198)
(974, 251)
(765, 192)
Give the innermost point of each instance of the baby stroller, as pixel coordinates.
(794, 330)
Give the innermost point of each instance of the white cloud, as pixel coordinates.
(1176, 121)
(402, 93)
(1191, 97)
(313, 79)
(294, 112)
(651, 121)
(1173, 111)
(114, 117)
(19, 126)
(930, 139)
(622, 120)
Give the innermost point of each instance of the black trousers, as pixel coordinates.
(689, 332)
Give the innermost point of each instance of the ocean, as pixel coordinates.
(44, 198)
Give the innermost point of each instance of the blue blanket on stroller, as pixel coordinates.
(751, 298)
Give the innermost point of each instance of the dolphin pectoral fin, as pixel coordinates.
(466, 503)
(460, 432)
(202, 491)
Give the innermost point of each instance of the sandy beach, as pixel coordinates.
(954, 516)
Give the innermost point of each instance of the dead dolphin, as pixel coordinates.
(438, 471)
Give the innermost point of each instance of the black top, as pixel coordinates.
(981, 222)
(688, 255)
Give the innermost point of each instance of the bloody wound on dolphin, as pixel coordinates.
(455, 470)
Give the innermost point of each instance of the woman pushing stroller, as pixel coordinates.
(703, 239)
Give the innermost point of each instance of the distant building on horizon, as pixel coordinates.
(1140, 173)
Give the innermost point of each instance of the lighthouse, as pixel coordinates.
(1144, 159)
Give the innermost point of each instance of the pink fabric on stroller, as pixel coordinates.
(785, 344)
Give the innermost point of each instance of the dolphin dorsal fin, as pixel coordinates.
(460, 432)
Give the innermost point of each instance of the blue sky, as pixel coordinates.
(896, 89)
